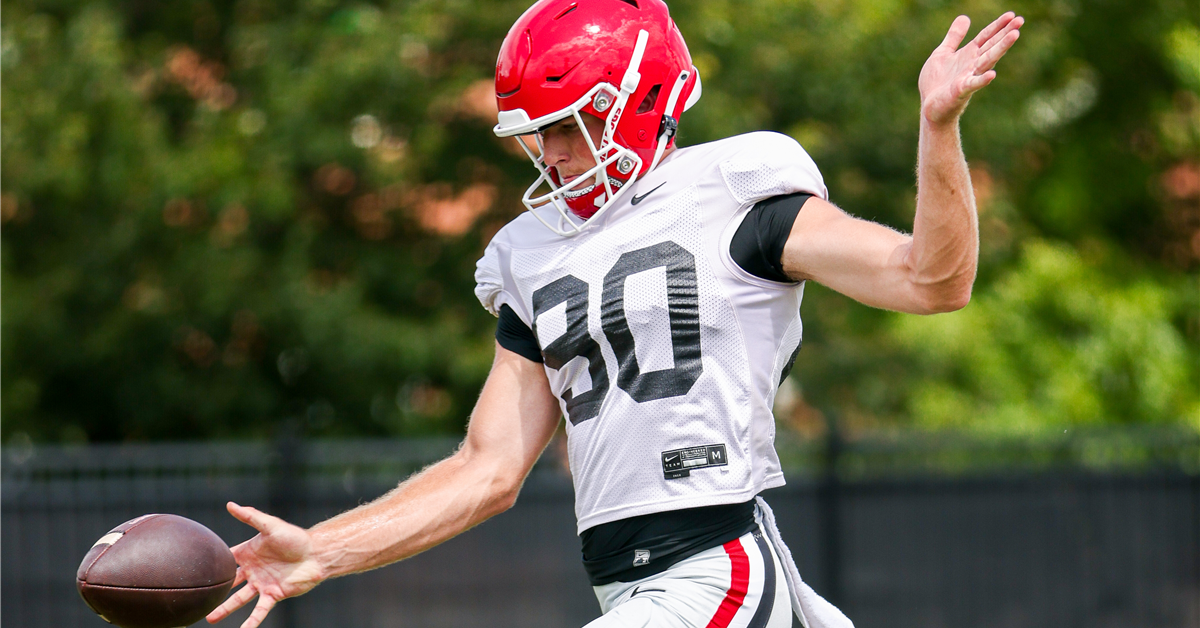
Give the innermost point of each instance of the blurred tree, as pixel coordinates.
(219, 216)
(1085, 152)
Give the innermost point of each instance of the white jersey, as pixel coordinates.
(665, 355)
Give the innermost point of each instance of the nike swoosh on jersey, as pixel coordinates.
(637, 199)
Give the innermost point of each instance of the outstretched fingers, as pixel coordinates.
(264, 606)
(996, 26)
(253, 517)
(951, 74)
(234, 602)
(978, 82)
(958, 30)
(1014, 24)
(991, 56)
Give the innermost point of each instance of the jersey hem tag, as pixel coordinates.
(679, 463)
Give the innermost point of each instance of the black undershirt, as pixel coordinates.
(513, 334)
(610, 549)
(671, 536)
(757, 245)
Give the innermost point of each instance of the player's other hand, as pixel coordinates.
(952, 74)
(277, 563)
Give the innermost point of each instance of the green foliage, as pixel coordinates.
(203, 230)
(1055, 343)
(221, 216)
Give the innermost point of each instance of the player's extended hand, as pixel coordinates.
(952, 74)
(276, 564)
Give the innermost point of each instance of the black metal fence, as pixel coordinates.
(900, 532)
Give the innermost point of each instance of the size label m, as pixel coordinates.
(679, 463)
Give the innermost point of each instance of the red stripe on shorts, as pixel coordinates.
(740, 583)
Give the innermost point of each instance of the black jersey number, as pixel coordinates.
(683, 307)
(575, 342)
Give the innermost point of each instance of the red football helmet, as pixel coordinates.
(623, 61)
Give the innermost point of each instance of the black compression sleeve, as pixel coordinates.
(757, 247)
(514, 335)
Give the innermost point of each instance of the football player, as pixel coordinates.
(651, 296)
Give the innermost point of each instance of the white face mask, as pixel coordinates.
(612, 101)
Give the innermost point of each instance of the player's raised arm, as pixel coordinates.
(513, 421)
(932, 270)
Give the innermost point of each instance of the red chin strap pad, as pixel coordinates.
(585, 206)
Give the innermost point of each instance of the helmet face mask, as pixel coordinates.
(607, 58)
(578, 200)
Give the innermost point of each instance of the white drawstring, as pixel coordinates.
(812, 609)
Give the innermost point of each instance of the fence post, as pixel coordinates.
(829, 506)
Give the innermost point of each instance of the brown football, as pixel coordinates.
(156, 571)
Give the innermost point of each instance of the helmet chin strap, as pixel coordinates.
(668, 130)
(629, 84)
(632, 77)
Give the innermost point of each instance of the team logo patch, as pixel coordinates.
(679, 463)
(641, 557)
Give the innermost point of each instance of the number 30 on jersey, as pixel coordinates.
(683, 307)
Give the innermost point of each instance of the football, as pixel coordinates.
(156, 571)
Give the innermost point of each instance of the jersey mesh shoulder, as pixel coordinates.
(493, 279)
(489, 282)
(760, 165)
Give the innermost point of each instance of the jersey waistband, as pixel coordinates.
(638, 547)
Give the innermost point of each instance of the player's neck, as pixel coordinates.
(667, 153)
